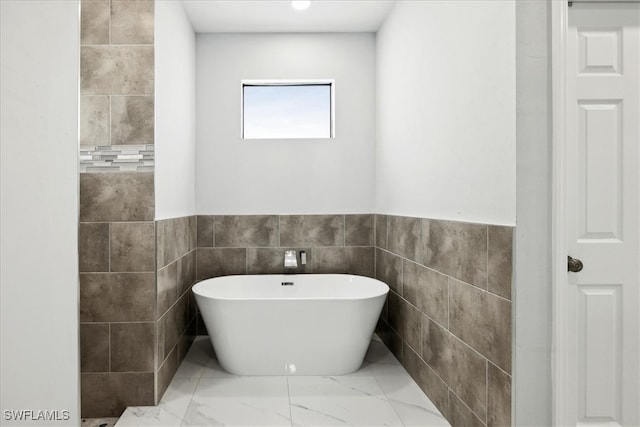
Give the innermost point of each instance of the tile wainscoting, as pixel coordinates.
(117, 292)
(175, 306)
(448, 315)
(447, 318)
(255, 244)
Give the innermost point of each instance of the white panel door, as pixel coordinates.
(603, 187)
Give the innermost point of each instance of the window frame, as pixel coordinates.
(291, 82)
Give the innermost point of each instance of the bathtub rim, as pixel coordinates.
(384, 288)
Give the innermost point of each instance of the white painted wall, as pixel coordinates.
(532, 297)
(446, 111)
(39, 363)
(285, 176)
(175, 111)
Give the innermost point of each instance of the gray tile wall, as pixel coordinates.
(117, 233)
(448, 315)
(176, 307)
(117, 86)
(255, 244)
(117, 292)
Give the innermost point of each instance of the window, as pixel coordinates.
(280, 109)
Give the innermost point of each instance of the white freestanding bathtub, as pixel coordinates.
(308, 324)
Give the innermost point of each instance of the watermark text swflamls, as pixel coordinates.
(36, 415)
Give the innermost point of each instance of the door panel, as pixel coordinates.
(600, 162)
(603, 187)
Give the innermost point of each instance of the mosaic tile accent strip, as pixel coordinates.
(116, 158)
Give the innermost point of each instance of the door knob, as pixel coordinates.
(574, 265)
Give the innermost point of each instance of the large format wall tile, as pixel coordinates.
(116, 70)
(483, 321)
(167, 287)
(403, 237)
(311, 230)
(174, 323)
(359, 230)
(426, 378)
(132, 246)
(214, 262)
(132, 120)
(94, 347)
(132, 347)
(94, 120)
(389, 269)
(428, 290)
(406, 320)
(116, 197)
(499, 398)
(500, 260)
(457, 249)
(381, 231)
(348, 260)
(460, 415)
(108, 394)
(186, 272)
(132, 22)
(94, 22)
(93, 247)
(459, 366)
(116, 297)
(175, 237)
(205, 231)
(246, 231)
(166, 372)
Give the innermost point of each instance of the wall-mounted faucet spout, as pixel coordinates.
(290, 259)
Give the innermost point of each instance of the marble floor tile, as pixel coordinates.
(169, 412)
(380, 393)
(240, 401)
(406, 398)
(214, 370)
(193, 365)
(340, 401)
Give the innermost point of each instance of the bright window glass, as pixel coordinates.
(287, 111)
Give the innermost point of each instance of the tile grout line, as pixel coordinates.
(464, 403)
(486, 393)
(109, 347)
(499, 368)
(441, 273)
(388, 399)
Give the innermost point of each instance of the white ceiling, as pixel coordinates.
(277, 16)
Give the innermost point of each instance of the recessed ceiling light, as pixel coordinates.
(300, 4)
